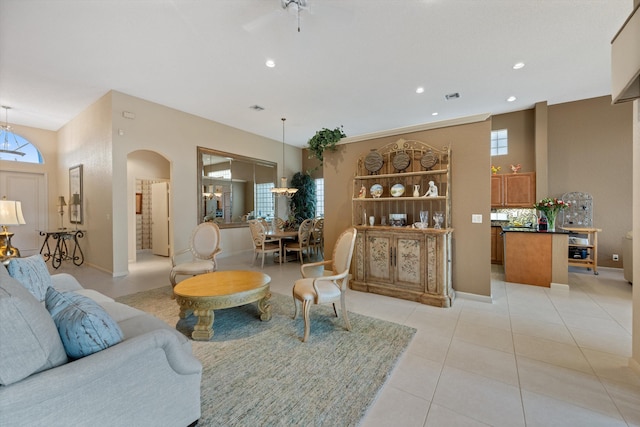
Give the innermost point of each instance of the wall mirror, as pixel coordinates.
(233, 189)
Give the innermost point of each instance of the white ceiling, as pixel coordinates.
(355, 63)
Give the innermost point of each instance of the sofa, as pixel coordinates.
(148, 378)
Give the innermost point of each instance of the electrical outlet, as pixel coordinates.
(615, 257)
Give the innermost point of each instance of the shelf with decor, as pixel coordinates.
(583, 247)
(392, 257)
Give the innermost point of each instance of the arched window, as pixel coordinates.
(17, 149)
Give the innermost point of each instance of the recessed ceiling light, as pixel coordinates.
(434, 113)
(511, 99)
(270, 63)
(420, 89)
(518, 65)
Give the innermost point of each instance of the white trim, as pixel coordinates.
(474, 297)
(559, 286)
(417, 128)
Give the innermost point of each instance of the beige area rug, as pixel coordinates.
(260, 373)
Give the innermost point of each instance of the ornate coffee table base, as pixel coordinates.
(203, 308)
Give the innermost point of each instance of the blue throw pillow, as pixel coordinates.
(84, 326)
(32, 273)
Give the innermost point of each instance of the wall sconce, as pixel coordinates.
(61, 204)
(10, 214)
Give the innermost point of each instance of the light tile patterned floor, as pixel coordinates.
(535, 357)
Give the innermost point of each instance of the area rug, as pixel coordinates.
(261, 374)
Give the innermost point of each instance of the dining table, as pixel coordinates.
(281, 235)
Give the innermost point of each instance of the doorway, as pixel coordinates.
(145, 168)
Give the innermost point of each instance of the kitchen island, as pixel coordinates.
(535, 257)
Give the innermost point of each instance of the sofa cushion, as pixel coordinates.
(29, 341)
(32, 273)
(84, 326)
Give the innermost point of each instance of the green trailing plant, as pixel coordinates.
(303, 202)
(324, 139)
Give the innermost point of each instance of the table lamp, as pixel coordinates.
(61, 204)
(75, 207)
(10, 214)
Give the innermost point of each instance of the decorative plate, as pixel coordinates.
(428, 160)
(397, 190)
(373, 162)
(401, 161)
(376, 190)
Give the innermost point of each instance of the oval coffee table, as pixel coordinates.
(221, 289)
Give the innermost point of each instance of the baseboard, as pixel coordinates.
(559, 286)
(474, 297)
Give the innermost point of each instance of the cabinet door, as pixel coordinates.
(378, 249)
(494, 245)
(408, 261)
(496, 191)
(519, 190)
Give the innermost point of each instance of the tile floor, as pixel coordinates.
(535, 357)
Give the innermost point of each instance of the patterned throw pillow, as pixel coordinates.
(32, 273)
(84, 326)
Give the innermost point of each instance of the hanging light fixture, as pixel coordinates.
(5, 131)
(283, 190)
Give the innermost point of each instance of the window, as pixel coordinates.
(11, 143)
(499, 142)
(320, 197)
(264, 200)
(220, 174)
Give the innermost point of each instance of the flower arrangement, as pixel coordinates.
(550, 208)
(495, 169)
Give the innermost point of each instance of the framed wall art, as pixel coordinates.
(76, 196)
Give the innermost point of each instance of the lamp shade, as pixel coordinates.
(61, 201)
(11, 213)
(75, 199)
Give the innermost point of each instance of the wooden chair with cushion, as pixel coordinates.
(329, 288)
(262, 244)
(204, 247)
(303, 243)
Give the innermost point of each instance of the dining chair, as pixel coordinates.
(317, 236)
(277, 224)
(302, 244)
(329, 288)
(262, 244)
(204, 246)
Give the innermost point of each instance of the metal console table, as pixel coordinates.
(62, 241)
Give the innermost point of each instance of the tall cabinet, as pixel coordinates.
(403, 260)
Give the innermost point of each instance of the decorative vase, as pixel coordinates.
(416, 190)
(551, 221)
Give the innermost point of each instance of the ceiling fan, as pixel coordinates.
(297, 4)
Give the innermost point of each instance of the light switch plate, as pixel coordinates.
(476, 218)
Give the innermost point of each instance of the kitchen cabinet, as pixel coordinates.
(400, 260)
(583, 247)
(497, 245)
(404, 263)
(516, 190)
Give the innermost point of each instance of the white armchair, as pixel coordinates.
(204, 247)
(331, 287)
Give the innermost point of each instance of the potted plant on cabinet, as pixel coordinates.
(324, 139)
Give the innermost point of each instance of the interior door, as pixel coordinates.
(160, 218)
(30, 190)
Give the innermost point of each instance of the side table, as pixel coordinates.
(61, 247)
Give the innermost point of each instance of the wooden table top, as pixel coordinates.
(282, 234)
(221, 283)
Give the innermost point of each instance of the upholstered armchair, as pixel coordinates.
(329, 288)
(204, 247)
(304, 239)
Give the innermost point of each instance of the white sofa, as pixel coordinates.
(150, 378)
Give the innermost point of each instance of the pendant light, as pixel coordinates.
(283, 190)
(5, 131)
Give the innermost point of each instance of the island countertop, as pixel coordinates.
(535, 257)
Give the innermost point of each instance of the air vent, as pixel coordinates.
(257, 107)
(452, 96)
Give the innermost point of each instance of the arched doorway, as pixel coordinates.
(144, 169)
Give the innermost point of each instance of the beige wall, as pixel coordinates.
(590, 150)
(86, 140)
(521, 131)
(634, 362)
(470, 189)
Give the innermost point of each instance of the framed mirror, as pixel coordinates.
(233, 189)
